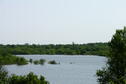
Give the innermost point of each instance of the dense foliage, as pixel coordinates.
(115, 71)
(41, 61)
(11, 59)
(52, 62)
(68, 49)
(3, 76)
(26, 79)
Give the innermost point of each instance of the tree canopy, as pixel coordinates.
(64, 49)
(115, 71)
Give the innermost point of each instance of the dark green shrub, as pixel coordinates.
(30, 60)
(41, 61)
(52, 62)
(21, 61)
(36, 62)
(3, 76)
(27, 79)
(11, 59)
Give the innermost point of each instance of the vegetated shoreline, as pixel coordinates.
(12, 59)
(9, 52)
(100, 49)
(56, 55)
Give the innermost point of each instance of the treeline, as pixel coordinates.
(7, 52)
(60, 49)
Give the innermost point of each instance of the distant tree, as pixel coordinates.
(67, 49)
(115, 71)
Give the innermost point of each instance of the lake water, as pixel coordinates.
(76, 69)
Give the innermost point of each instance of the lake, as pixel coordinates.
(73, 69)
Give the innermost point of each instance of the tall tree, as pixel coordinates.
(115, 71)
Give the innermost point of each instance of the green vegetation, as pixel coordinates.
(7, 58)
(41, 61)
(11, 59)
(36, 62)
(3, 76)
(115, 71)
(52, 62)
(31, 61)
(26, 79)
(100, 49)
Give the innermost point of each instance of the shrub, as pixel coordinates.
(41, 61)
(3, 75)
(30, 60)
(27, 79)
(11, 59)
(52, 62)
(36, 62)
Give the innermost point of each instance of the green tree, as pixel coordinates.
(3, 76)
(115, 71)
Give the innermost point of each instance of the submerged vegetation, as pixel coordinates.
(41, 61)
(52, 62)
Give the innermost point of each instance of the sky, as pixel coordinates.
(60, 21)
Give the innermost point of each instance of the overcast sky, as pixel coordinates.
(60, 21)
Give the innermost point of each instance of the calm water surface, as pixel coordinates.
(71, 70)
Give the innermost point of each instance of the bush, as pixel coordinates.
(11, 59)
(52, 62)
(27, 79)
(3, 76)
(30, 60)
(36, 62)
(21, 61)
(41, 61)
